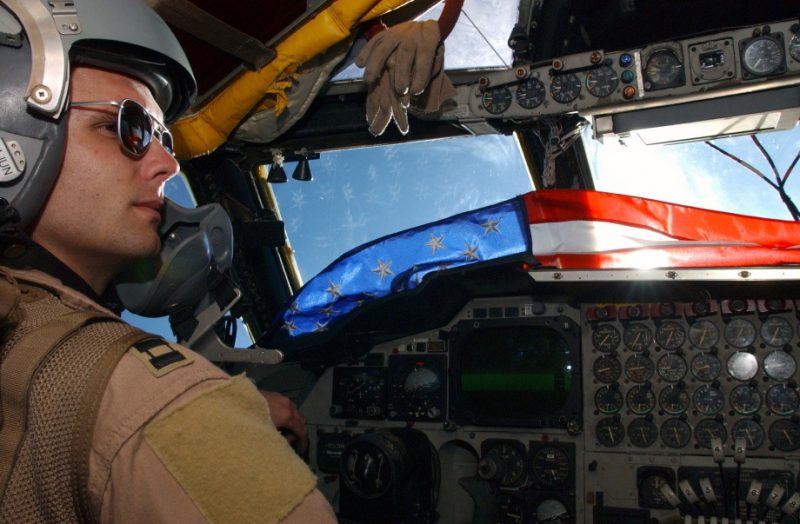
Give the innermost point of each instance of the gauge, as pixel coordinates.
(671, 367)
(417, 387)
(794, 46)
(605, 338)
(745, 399)
(703, 334)
(359, 392)
(496, 100)
(510, 508)
(779, 365)
(708, 429)
(663, 69)
(776, 331)
(675, 433)
(610, 432)
(740, 333)
(608, 399)
(602, 81)
(551, 467)
(503, 463)
(565, 88)
(708, 400)
(751, 431)
(642, 432)
(641, 399)
(785, 435)
(637, 336)
(639, 368)
(530, 93)
(650, 495)
(706, 367)
(742, 365)
(670, 335)
(607, 369)
(782, 399)
(763, 56)
(674, 400)
(551, 511)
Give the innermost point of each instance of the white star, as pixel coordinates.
(383, 269)
(328, 311)
(334, 290)
(491, 225)
(319, 327)
(435, 243)
(470, 253)
(289, 326)
(294, 308)
(442, 267)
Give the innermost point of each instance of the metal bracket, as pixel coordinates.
(66, 16)
(46, 90)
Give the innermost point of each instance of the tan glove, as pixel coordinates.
(398, 63)
(439, 90)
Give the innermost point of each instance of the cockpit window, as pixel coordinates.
(362, 194)
(697, 175)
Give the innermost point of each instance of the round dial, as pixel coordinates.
(641, 399)
(779, 365)
(794, 46)
(510, 508)
(708, 400)
(650, 491)
(639, 368)
(502, 463)
(637, 336)
(675, 433)
(671, 367)
(674, 400)
(642, 432)
(670, 335)
(740, 333)
(530, 93)
(751, 431)
(782, 399)
(745, 399)
(706, 367)
(551, 467)
(607, 369)
(742, 365)
(496, 100)
(565, 88)
(776, 332)
(785, 435)
(608, 399)
(703, 334)
(602, 81)
(605, 338)
(610, 432)
(707, 429)
(762, 56)
(662, 69)
(552, 511)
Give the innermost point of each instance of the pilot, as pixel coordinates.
(98, 421)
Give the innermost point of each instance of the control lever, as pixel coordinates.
(690, 496)
(753, 495)
(791, 505)
(739, 457)
(707, 492)
(718, 454)
(773, 500)
(671, 497)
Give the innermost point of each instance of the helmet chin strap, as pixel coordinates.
(188, 282)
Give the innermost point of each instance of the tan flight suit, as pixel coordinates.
(184, 443)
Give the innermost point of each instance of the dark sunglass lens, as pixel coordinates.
(135, 128)
(166, 141)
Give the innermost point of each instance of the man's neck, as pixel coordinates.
(96, 271)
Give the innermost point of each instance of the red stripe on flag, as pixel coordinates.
(682, 222)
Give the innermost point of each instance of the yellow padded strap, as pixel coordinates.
(229, 458)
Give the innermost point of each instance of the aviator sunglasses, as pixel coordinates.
(136, 127)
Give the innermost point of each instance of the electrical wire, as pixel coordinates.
(464, 12)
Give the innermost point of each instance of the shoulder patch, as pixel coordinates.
(161, 357)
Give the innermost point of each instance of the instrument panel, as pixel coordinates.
(587, 82)
(657, 381)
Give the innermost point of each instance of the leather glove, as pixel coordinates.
(439, 90)
(398, 63)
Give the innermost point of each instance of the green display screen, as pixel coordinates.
(514, 372)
